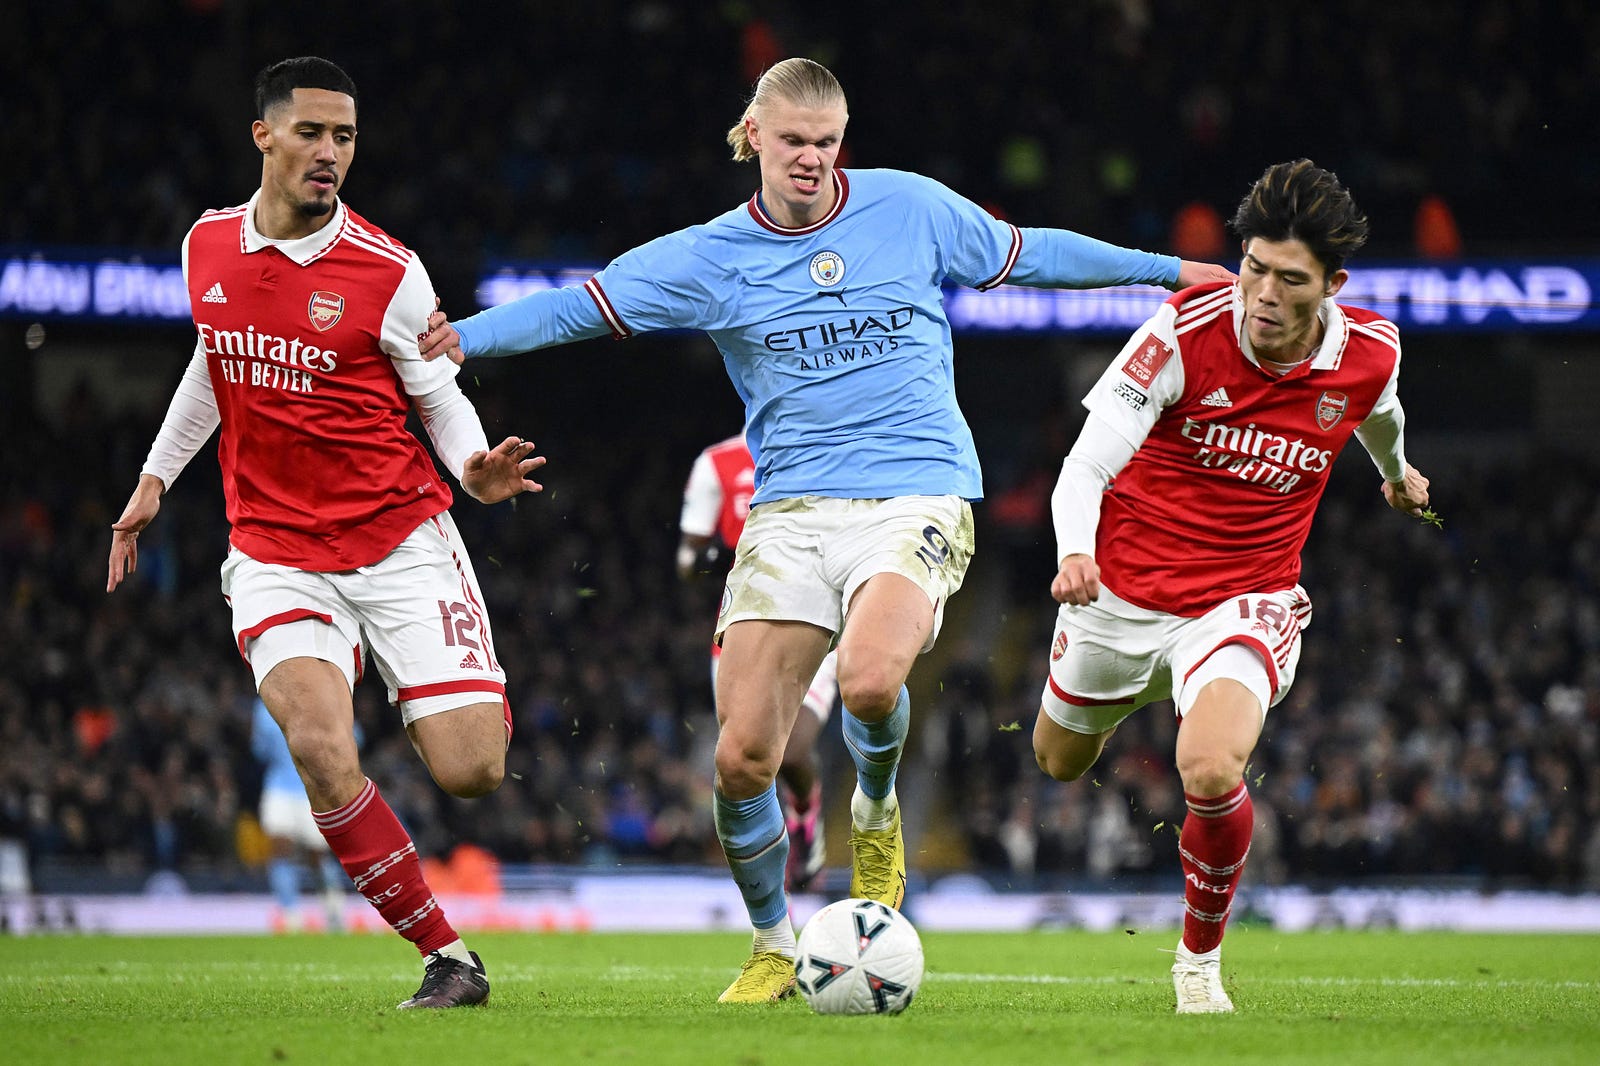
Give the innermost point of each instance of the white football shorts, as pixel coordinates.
(1111, 658)
(802, 559)
(418, 609)
(288, 814)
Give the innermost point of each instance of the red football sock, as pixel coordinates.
(1212, 850)
(378, 854)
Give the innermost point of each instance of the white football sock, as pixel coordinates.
(779, 938)
(871, 814)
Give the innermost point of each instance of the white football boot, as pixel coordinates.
(1197, 979)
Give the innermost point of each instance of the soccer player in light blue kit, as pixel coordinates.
(823, 294)
(291, 831)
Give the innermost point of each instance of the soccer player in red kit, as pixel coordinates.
(341, 538)
(1181, 511)
(716, 501)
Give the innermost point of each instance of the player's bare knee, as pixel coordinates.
(743, 772)
(1207, 774)
(471, 779)
(871, 697)
(320, 752)
(1061, 765)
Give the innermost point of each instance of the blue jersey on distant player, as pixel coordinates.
(272, 751)
(834, 334)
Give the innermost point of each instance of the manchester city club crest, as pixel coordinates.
(827, 268)
(325, 308)
(1330, 409)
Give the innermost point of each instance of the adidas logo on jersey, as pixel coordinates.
(1217, 397)
(470, 663)
(214, 295)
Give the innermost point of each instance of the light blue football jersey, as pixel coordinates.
(272, 751)
(833, 334)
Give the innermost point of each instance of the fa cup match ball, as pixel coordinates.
(859, 956)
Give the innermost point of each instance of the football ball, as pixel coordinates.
(858, 956)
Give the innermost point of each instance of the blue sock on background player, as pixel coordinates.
(283, 877)
(876, 749)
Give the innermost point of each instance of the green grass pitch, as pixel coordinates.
(1012, 999)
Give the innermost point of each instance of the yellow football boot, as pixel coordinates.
(878, 864)
(766, 977)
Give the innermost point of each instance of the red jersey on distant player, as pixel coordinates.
(717, 498)
(301, 339)
(1219, 497)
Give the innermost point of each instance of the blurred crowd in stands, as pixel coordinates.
(1447, 708)
(576, 131)
(1444, 721)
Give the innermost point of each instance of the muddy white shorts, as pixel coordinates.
(802, 559)
(418, 609)
(1110, 658)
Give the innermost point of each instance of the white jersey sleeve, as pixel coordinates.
(1383, 432)
(702, 499)
(191, 419)
(1126, 404)
(1122, 412)
(453, 426)
(1098, 455)
(404, 321)
(192, 416)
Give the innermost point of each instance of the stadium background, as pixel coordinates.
(1443, 730)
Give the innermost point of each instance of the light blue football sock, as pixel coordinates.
(757, 845)
(334, 879)
(283, 877)
(876, 747)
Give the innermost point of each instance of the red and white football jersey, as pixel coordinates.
(311, 348)
(717, 497)
(1231, 458)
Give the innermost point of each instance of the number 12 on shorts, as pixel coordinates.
(459, 624)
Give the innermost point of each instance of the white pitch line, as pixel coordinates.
(1353, 982)
(208, 972)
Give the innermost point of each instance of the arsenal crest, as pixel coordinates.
(1059, 648)
(1330, 409)
(325, 308)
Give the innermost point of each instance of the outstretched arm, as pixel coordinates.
(1064, 259)
(191, 418)
(1193, 273)
(1099, 453)
(140, 511)
(1383, 435)
(1410, 494)
(697, 519)
(502, 472)
(488, 475)
(538, 320)
(692, 548)
(441, 339)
